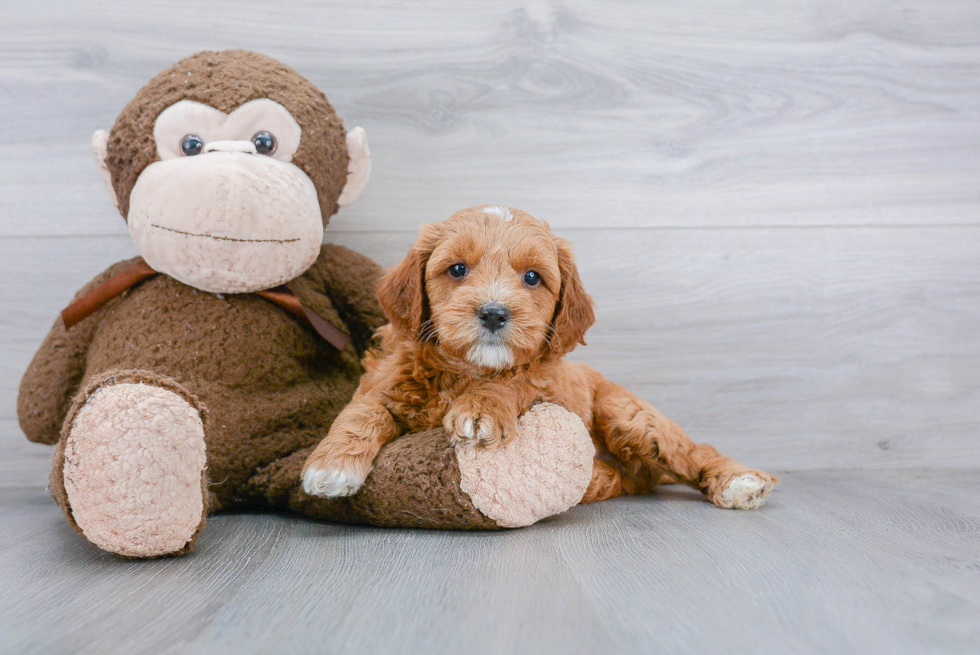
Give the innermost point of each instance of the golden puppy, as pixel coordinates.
(481, 312)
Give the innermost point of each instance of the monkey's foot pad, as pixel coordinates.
(134, 464)
(543, 471)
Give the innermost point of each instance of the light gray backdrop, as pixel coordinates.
(775, 205)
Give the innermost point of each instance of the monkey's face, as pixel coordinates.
(225, 210)
(227, 166)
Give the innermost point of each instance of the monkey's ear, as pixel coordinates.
(100, 147)
(359, 168)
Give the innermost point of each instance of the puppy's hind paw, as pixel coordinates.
(747, 491)
(331, 483)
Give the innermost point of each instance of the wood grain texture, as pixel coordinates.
(785, 348)
(777, 212)
(880, 562)
(622, 113)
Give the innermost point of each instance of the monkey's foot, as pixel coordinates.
(134, 464)
(545, 469)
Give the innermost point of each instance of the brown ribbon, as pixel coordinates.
(141, 271)
(100, 295)
(287, 300)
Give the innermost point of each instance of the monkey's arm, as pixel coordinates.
(421, 481)
(54, 374)
(349, 279)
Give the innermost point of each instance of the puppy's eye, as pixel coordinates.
(532, 278)
(191, 145)
(265, 143)
(457, 270)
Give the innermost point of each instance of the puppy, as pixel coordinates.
(482, 311)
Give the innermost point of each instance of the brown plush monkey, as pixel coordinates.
(198, 377)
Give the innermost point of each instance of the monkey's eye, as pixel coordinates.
(191, 145)
(532, 278)
(457, 270)
(265, 143)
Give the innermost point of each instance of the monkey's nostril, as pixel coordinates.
(493, 316)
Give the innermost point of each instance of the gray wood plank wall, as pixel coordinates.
(775, 206)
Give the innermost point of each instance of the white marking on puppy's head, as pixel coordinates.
(500, 212)
(497, 356)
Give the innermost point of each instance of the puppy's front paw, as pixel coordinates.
(744, 490)
(327, 479)
(471, 424)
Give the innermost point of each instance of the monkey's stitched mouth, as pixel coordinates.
(217, 238)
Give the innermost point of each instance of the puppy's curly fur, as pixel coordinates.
(482, 311)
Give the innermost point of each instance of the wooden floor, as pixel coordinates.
(776, 208)
(837, 562)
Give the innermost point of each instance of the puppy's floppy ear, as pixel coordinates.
(574, 312)
(401, 291)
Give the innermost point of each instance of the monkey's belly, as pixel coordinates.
(270, 386)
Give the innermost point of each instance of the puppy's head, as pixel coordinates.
(491, 286)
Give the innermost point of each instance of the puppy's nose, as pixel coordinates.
(493, 316)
